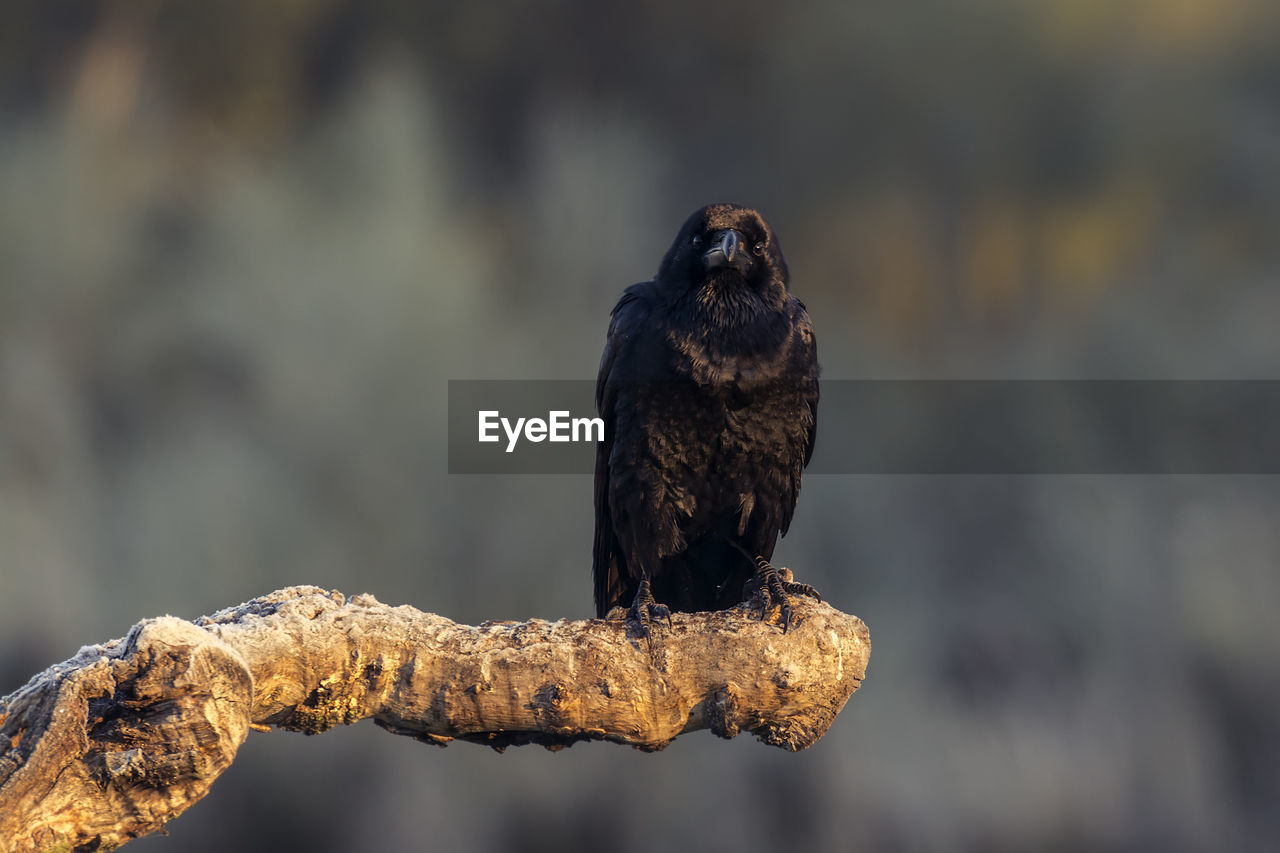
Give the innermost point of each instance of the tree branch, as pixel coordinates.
(126, 735)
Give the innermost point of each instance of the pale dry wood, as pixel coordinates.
(123, 737)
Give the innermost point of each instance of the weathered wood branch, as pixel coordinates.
(123, 737)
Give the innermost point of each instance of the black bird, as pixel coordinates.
(708, 388)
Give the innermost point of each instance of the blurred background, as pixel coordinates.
(243, 247)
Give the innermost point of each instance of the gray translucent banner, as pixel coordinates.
(922, 427)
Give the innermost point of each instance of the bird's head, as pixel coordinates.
(726, 251)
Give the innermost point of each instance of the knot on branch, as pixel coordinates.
(124, 736)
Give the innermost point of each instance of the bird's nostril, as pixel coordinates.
(729, 244)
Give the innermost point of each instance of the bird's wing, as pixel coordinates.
(805, 367)
(812, 401)
(805, 370)
(610, 578)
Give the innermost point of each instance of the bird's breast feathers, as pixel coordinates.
(751, 354)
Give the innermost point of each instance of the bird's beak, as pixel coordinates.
(726, 251)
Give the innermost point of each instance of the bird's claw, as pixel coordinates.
(645, 609)
(801, 589)
(771, 588)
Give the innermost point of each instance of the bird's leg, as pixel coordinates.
(771, 587)
(645, 608)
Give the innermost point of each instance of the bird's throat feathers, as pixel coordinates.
(724, 302)
(729, 332)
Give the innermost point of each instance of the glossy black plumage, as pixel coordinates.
(709, 391)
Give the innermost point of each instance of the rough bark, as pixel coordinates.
(123, 737)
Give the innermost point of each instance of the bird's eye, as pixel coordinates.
(758, 249)
(697, 240)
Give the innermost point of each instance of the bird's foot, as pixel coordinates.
(645, 608)
(775, 586)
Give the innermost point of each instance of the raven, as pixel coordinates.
(708, 388)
